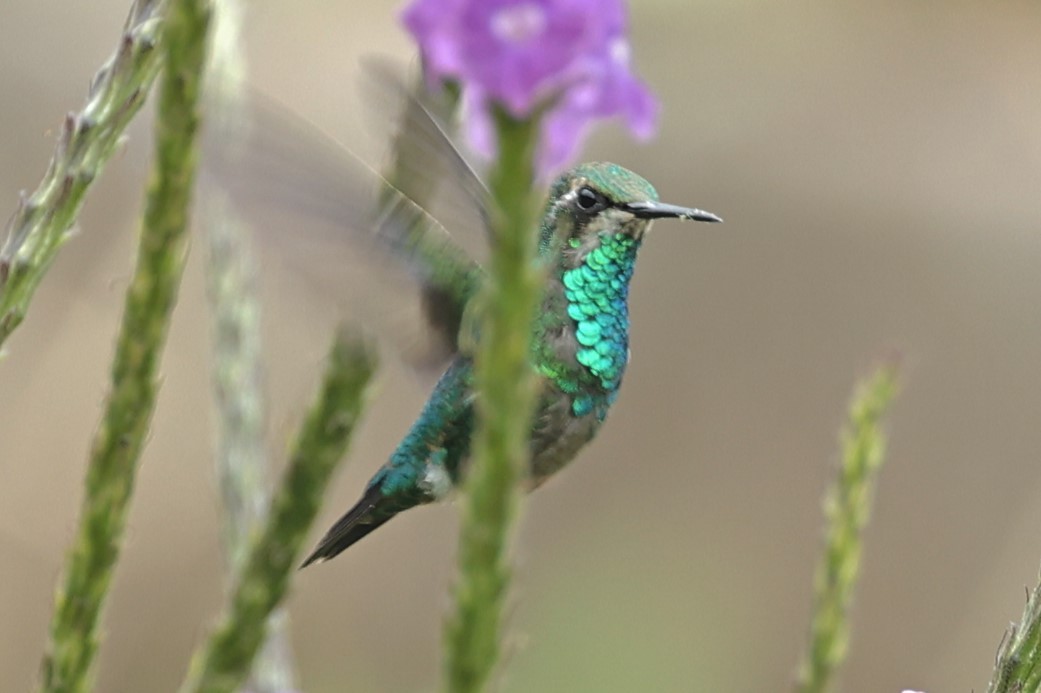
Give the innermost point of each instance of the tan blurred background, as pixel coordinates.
(879, 167)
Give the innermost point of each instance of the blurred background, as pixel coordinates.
(879, 167)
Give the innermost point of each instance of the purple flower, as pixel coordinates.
(521, 54)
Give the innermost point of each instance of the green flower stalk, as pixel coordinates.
(847, 508)
(534, 76)
(506, 383)
(44, 219)
(1018, 666)
(128, 410)
(242, 464)
(223, 663)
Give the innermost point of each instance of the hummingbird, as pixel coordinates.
(595, 218)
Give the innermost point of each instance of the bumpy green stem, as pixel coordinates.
(1018, 666)
(242, 464)
(223, 663)
(237, 378)
(43, 220)
(847, 508)
(241, 460)
(243, 467)
(149, 301)
(506, 386)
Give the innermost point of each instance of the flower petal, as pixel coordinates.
(522, 54)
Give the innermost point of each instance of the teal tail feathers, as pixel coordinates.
(421, 470)
(364, 517)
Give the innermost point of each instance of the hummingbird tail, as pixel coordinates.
(363, 518)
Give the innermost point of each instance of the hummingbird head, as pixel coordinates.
(594, 202)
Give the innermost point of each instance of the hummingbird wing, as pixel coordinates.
(425, 162)
(343, 227)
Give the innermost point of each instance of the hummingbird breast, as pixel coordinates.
(581, 349)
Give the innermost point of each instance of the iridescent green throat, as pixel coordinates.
(597, 293)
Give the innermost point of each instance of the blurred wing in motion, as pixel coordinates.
(424, 162)
(340, 225)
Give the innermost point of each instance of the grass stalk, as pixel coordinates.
(242, 464)
(847, 508)
(1018, 664)
(150, 298)
(222, 664)
(44, 219)
(504, 407)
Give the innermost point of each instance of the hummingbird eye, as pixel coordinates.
(588, 200)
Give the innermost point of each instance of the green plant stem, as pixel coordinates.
(1018, 665)
(242, 464)
(243, 469)
(149, 301)
(847, 508)
(44, 219)
(223, 663)
(504, 406)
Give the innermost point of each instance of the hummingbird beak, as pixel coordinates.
(660, 210)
